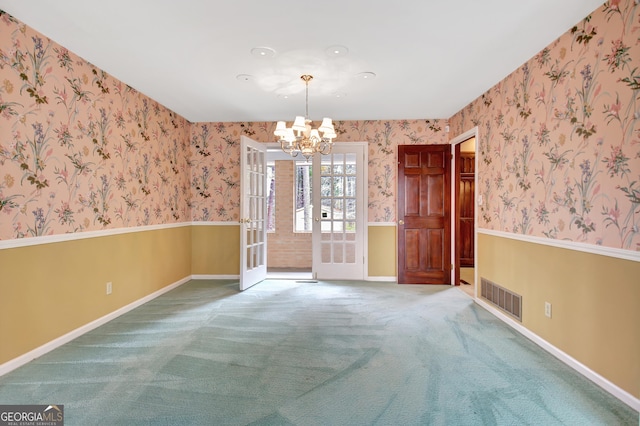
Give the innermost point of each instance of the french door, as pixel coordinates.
(339, 212)
(253, 224)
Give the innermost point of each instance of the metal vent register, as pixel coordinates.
(506, 300)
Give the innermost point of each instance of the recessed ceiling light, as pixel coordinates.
(340, 95)
(336, 50)
(366, 75)
(244, 77)
(283, 96)
(263, 52)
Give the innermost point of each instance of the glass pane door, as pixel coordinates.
(339, 222)
(253, 224)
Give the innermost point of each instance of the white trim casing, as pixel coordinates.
(66, 338)
(471, 133)
(212, 223)
(608, 386)
(390, 279)
(215, 277)
(58, 238)
(605, 384)
(562, 356)
(569, 245)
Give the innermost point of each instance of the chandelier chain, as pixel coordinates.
(306, 78)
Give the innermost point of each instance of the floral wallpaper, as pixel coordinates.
(559, 143)
(80, 150)
(216, 161)
(559, 138)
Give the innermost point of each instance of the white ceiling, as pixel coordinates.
(431, 58)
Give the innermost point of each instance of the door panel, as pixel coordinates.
(424, 223)
(253, 224)
(435, 197)
(412, 204)
(339, 212)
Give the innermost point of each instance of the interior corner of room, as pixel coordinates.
(110, 198)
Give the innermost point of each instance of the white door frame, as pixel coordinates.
(455, 141)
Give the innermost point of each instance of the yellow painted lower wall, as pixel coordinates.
(595, 302)
(216, 250)
(382, 251)
(49, 290)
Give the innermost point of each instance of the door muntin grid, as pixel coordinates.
(338, 201)
(255, 217)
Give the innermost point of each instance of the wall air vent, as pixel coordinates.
(506, 300)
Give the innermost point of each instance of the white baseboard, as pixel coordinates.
(215, 277)
(237, 277)
(383, 278)
(608, 386)
(47, 347)
(605, 384)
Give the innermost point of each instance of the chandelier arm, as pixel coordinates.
(288, 147)
(324, 147)
(301, 137)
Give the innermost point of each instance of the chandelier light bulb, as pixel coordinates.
(301, 137)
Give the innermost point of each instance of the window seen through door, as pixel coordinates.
(271, 197)
(303, 209)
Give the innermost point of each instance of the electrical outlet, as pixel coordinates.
(109, 287)
(547, 309)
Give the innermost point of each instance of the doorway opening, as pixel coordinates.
(289, 209)
(464, 218)
(327, 242)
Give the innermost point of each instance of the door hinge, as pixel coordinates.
(451, 267)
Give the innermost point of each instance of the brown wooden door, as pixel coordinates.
(424, 218)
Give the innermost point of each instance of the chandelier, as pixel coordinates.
(303, 139)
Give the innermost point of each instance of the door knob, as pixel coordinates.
(317, 220)
(401, 222)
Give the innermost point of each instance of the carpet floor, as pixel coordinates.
(325, 353)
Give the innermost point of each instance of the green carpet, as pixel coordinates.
(326, 353)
